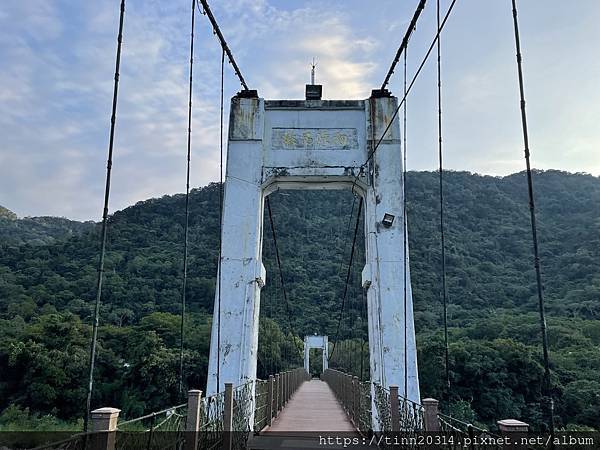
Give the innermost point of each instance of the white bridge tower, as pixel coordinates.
(313, 144)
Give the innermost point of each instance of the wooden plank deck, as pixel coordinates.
(312, 409)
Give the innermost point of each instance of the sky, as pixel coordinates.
(57, 65)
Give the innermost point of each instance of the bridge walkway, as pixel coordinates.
(312, 410)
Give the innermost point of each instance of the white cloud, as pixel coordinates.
(57, 79)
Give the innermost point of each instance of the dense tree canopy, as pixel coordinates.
(48, 275)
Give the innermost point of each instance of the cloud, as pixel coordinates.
(57, 80)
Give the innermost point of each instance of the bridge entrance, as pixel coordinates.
(316, 342)
(313, 144)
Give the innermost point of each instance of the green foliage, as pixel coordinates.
(48, 281)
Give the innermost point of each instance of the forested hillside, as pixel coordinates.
(47, 287)
(38, 230)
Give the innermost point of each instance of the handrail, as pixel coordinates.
(250, 406)
(154, 414)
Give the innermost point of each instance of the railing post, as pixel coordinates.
(430, 416)
(279, 392)
(270, 393)
(228, 417)
(287, 386)
(348, 383)
(104, 426)
(394, 408)
(192, 425)
(283, 389)
(355, 398)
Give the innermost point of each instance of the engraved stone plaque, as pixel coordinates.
(314, 138)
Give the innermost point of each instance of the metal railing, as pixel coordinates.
(459, 429)
(354, 396)
(397, 413)
(211, 421)
(148, 432)
(222, 420)
(261, 412)
(273, 394)
(393, 412)
(75, 442)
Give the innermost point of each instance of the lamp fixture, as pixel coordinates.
(388, 220)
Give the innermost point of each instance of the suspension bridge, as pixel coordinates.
(272, 145)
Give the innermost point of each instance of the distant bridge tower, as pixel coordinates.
(313, 144)
(318, 342)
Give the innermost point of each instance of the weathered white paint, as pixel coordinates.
(318, 342)
(256, 167)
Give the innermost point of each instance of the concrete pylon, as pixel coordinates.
(313, 144)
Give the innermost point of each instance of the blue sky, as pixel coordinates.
(57, 64)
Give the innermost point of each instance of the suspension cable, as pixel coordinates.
(281, 278)
(410, 86)
(411, 27)
(113, 120)
(187, 202)
(347, 234)
(360, 204)
(224, 45)
(441, 176)
(547, 386)
(347, 240)
(220, 222)
(405, 225)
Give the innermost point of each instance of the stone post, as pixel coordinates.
(394, 408)
(104, 426)
(432, 422)
(228, 417)
(515, 429)
(512, 425)
(192, 425)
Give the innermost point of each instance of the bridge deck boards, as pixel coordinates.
(312, 408)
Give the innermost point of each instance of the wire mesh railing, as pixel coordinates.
(393, 412)
(156, 431)
(364, 406)
(354, 396)
(396, 412)
(478, 438)
(211, 421)
(75, 442)
(242, 414)
(261, 409)
(382, 407)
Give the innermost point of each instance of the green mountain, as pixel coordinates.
(47, 288)
(38, 230)
(6, 213)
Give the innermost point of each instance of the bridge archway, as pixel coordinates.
(313, 144)
(316, 342)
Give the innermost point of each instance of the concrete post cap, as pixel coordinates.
(195, 392)
(430, 401)
(105, 411)
(512, 423)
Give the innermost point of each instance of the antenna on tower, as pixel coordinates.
(313, 91)
(312, 71)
